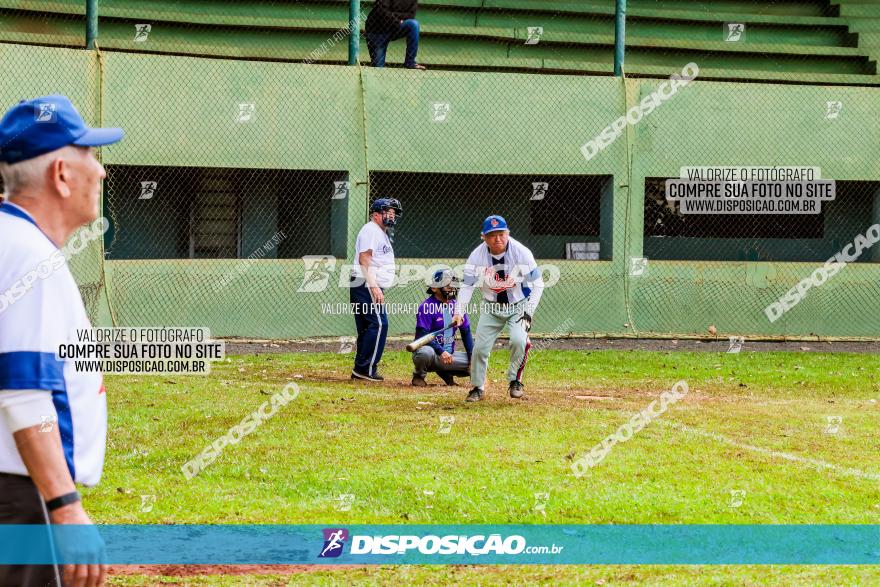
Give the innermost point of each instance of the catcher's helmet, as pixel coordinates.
(443, 279)
(383, 204)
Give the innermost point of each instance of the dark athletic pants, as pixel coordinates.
(371, 322)
(20, 503)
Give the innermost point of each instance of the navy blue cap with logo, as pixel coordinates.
(40, 125)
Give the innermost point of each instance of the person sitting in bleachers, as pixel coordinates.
(388, 21)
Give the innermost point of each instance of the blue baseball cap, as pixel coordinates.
(34, 127)
(494, 223)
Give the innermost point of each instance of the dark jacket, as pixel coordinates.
(386, 15)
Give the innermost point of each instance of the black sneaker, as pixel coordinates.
(475, 395)
(355, 374)
(376, 377)
(419, 381)
(447, 378)
(515, 389)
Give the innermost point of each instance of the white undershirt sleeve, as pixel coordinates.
(23, 408)
(463, 298)
(535, 295)
(470, 281)
(536, 283)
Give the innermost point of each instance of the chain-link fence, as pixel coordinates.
(444, 211)
(220, 213)
(253, 152)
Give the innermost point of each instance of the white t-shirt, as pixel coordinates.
(34, 321)
(373, 238)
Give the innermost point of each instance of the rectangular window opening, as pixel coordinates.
(443, 212)
(159, 212)
(671, 235)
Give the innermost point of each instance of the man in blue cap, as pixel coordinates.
(506, 273)
(53, 419)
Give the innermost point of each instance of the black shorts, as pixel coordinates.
(20, 503)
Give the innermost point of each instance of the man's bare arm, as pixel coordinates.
(369, 273)
(43, 456)
(364, 260)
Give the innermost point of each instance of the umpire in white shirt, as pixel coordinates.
(53, 419)
(373, 272)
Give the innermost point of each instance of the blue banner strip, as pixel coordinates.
(442, 544)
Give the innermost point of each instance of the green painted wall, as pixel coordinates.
(27, 72)
(747, 124)
(182, 111)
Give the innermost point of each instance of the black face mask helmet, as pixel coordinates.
(382, 205)
(448, 284)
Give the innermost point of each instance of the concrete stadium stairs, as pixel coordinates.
(863, 17)
(804, 41)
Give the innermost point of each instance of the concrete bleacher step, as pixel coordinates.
(743, 7)
(300, 14)
(863, 18)
(859, 10)
(786, 40)
(721, 74)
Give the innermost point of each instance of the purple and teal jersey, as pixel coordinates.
(434, 315)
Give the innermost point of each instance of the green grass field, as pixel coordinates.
(749, 444)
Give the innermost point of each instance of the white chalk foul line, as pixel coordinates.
(772, 453)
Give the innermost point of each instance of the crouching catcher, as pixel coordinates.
(439, 356)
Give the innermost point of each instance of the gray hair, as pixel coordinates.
(30, 173)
